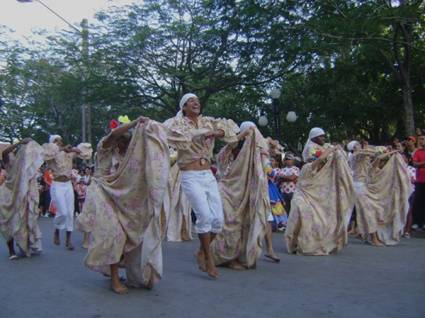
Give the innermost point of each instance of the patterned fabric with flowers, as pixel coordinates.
(123, 209)
(19, 198)
(60, 162)
(187, 137)
(244, 192)
(321, 207)
(382, 203)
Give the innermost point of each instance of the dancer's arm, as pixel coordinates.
(121, 130)
(320, 162)
(11, 148)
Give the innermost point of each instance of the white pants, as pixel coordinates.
(201, 189)
(62, 195)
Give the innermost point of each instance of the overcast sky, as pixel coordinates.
(24, 17)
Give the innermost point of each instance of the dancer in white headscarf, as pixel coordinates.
(59, 158)
(322, 202)
(193, 136)
(382, 187)
(243, 187)
(125, 203)
(315, 144)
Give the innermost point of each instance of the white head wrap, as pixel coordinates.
(352, 144)
(52, 138)
(314, 132)
(245, 125)
(183, 101)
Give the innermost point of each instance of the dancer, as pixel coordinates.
(59, 157)
(360, 164)
(243, 167)
(193, 136)
(322, 202)
(315, 145)
(19, 197)
(382, 205)
(124, 203)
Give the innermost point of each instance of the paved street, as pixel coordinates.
(362, 281)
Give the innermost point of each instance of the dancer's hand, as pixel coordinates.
(142, 119)
(67, 148)
(25, 141)
(245, 133)
(214, 134)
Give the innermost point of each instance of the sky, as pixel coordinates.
(24, 17)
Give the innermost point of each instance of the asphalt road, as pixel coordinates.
(362, 281)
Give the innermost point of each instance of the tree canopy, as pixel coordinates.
(354, 68)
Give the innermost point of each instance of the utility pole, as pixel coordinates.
(85, 107)
(85, 111)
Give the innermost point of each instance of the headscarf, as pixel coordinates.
(351, 145)
(314, 132)
(289, 156)
(183, 101)
(245, 125)
(52, 138)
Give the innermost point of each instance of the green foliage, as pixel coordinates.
(340, 65)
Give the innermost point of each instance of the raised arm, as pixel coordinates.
(318, 164)
(121, 130)
(11, 148)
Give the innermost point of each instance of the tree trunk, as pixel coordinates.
(408, 118)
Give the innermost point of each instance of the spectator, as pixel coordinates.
(289, 176)
(419, 201)
(81, 189)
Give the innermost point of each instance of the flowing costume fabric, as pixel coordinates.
(180, 222)
(382, 197)
(124, 211)
(321, 207)
(244, 191)
(19, 199)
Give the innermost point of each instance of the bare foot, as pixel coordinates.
(353, 232)
(212, 271)
(377, 242)
(200, 258)
(150, 283)
(236, 266)
(119, 288)
(85, 245)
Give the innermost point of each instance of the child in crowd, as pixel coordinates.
(288, 179)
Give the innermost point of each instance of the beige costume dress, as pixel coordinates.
(244, 190)
(123, 210)
(322, 203)
(381, 197)
(179, 218)
(19, 198)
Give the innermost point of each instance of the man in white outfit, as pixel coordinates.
(59, 159)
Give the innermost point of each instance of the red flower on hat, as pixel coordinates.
(114, 124)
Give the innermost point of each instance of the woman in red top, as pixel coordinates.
(419, 203)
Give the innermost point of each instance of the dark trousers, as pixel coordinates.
(419, 205)
(287, 197)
